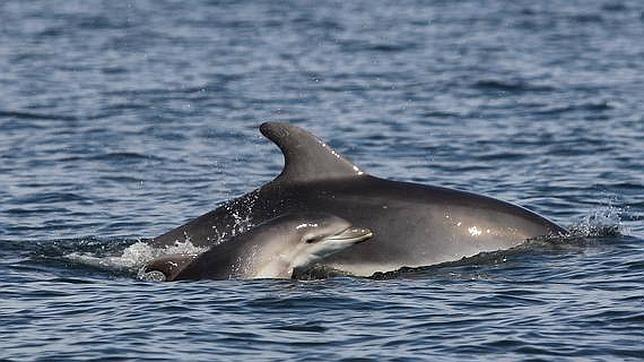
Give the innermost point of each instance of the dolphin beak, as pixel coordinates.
(353, 235)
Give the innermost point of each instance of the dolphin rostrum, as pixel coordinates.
(273, 249)
(413, 224)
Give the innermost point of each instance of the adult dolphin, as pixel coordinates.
(414, 225)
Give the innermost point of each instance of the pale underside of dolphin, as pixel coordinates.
(414, 225)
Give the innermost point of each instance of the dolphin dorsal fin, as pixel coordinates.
(306, 157)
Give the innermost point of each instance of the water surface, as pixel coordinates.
(122, 120)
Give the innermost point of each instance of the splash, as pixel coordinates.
(134, 257)
(603, 221)
(241, 211)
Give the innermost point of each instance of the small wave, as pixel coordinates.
(459, 269)
(511, 86)
(114, 157)
(310, 326)
(37, 116)
(358, 45)
(55, 250)
(614, 7)
(22, 211)
(50, 198)
(599, 106)
(587, 18)
(124, 156)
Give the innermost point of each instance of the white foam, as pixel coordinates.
(134, 256)
(600, 222)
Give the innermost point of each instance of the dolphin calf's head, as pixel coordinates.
(299, 241)
(323, 235)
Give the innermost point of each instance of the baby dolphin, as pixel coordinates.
(273, 249)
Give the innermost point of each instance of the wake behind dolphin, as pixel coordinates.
(414, 225)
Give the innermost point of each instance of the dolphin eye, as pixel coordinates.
(312, 240)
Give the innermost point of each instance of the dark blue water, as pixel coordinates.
(122, 120)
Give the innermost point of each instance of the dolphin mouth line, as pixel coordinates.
(350, 234)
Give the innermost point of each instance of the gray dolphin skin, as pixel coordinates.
(273, 249)
(414, 225)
